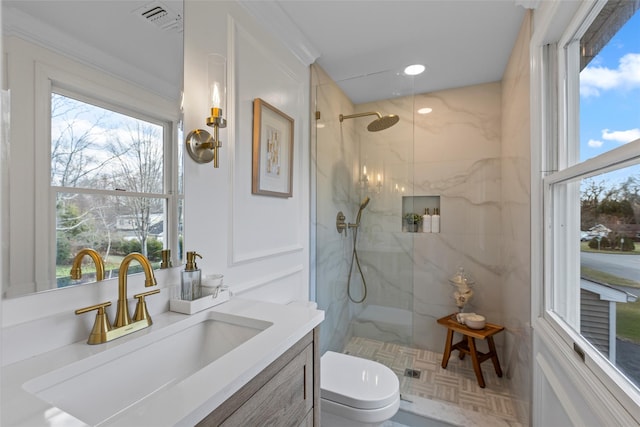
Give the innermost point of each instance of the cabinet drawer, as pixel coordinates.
(283, 394)
(283, 401)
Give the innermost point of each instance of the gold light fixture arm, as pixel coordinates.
(201, 145)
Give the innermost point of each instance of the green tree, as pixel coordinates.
(589, 202)
(631, 191)
(70, 224)
(140, 169)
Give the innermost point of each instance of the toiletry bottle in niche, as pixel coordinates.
(435, 221)
(191, 278)
(426, 221)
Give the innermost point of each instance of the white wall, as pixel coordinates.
(260, 243)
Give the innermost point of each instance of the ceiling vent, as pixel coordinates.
(161, 16)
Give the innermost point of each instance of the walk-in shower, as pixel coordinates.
(452, 155)
(381, 123)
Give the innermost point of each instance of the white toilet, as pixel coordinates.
(356, 392)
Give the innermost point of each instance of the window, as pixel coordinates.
(592, 198)
(109, 183)
(59, 187)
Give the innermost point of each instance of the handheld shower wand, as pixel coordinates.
(354, 255)
(363, 205)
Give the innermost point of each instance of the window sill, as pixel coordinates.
(604, 389)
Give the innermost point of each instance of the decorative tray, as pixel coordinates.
(190, 307)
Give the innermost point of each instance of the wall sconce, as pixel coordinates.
(364, 179)
(201, 146)
(398, 189)
(370, 185)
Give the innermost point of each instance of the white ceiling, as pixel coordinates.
(108, 34)
(461, 42)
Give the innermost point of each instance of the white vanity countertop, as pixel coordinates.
(184, 403)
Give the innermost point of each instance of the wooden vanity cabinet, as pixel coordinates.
(285, 393)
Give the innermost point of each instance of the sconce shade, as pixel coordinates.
(216, 99)
(217, 83)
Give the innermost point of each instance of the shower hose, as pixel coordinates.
(354, 256)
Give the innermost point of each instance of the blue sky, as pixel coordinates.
(610, 94)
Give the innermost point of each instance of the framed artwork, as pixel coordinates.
(272, 151)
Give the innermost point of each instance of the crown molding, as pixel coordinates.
(270, 15)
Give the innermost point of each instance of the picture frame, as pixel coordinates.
(272, 169)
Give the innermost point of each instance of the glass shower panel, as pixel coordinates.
(365, 175)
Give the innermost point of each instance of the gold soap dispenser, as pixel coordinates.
(191, 278)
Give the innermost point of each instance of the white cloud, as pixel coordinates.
(594, 79)
(594, 143)
(621, 136)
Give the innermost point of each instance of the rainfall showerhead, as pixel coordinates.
(381, 123)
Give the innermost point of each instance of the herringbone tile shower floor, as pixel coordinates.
(455, 385)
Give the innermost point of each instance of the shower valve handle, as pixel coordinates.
(341, 225)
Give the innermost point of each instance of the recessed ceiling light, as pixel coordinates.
(425, 110)
(414, 70)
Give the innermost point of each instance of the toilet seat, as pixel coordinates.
(358, 383)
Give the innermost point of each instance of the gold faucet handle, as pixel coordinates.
(141, 308)
(101, 325)
(100, 307)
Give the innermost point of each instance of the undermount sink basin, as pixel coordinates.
(101, 386)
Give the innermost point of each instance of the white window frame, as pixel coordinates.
(95, 85)
(555, 123)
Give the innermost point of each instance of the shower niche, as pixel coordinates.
(413, 211)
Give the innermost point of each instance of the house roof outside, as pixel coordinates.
(607, 292)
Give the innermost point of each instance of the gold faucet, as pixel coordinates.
(102, 330)
(122, 314)
(76, 270)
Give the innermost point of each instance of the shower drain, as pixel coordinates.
(412, 373)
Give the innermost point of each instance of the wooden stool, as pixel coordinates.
(468, 345)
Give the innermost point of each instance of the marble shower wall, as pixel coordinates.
(516, 221)
(454, 153)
